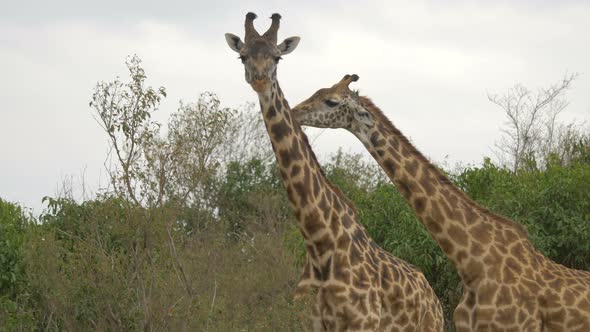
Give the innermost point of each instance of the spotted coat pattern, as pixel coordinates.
(358, 286)
(507, 284)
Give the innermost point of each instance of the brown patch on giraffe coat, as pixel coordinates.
(300, 190)
(481, 232)
(486, 293)
(406, 152)
(385, 276)
(346, 221)
(461, 255)
(358, 299)
(508, 275)
(473, 271)
(426, 184)
(453, 201)
(355, 254)
(385, 322)
(295, 170)
(296, 148)
(277, 104)
(419, 204)
(310, 251)
(510, 236)
(389, 167)
(504, 296)
(476, 249)
(403, 319)
(306, 182)
(360, 237)
(360, 279)
(377, 143)
(405, 187)
(316, 185)
(458, 235)
(324, 244)
(334, 224)
(411, 167)
(324, 208)
(436, 212)
(408, 289)
(584, 304)
(341, 270)
(433, 226)
(446, 246)
(569, 298)
(371, 323)
(513, 265)
(336, 203)
(280, 130)
(394, 154)
(493, 261)
(343, 241)
(394, 143)
(285, 158)
(449, 213)
(312, 222)
(470, 215)
(317, 274)
(518, 252)
(326, 268)
(271, 113)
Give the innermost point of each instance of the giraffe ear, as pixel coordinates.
(364, 117)
(234, 42)
(288, 45)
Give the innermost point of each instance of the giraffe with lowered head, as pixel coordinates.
(360, 287)
(507, 284)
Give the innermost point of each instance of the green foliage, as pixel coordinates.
(107, 264)
(14, 227)
(99, 264)
(553, 204)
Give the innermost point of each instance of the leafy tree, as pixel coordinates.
(124, 112)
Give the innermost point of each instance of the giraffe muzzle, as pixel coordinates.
(259, 85)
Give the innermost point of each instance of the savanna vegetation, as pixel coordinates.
(195, 231)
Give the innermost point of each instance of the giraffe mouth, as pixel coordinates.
(259, 85)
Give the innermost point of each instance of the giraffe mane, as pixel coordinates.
(442, 178)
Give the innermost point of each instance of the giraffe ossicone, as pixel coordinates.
(359, 286)
(508, 285)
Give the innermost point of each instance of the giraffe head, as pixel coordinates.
(335, 107)
(260, 54)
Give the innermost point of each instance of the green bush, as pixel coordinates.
(14, 298)
(553, 204)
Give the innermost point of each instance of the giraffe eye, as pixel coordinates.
(331, 102)
(277, 59)
(242, 58)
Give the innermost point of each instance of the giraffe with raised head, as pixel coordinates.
(359, 286)
(507, 284)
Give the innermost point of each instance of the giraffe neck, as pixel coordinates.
(323, 213)
(461, 228)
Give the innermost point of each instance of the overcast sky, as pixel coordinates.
(428, 65)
